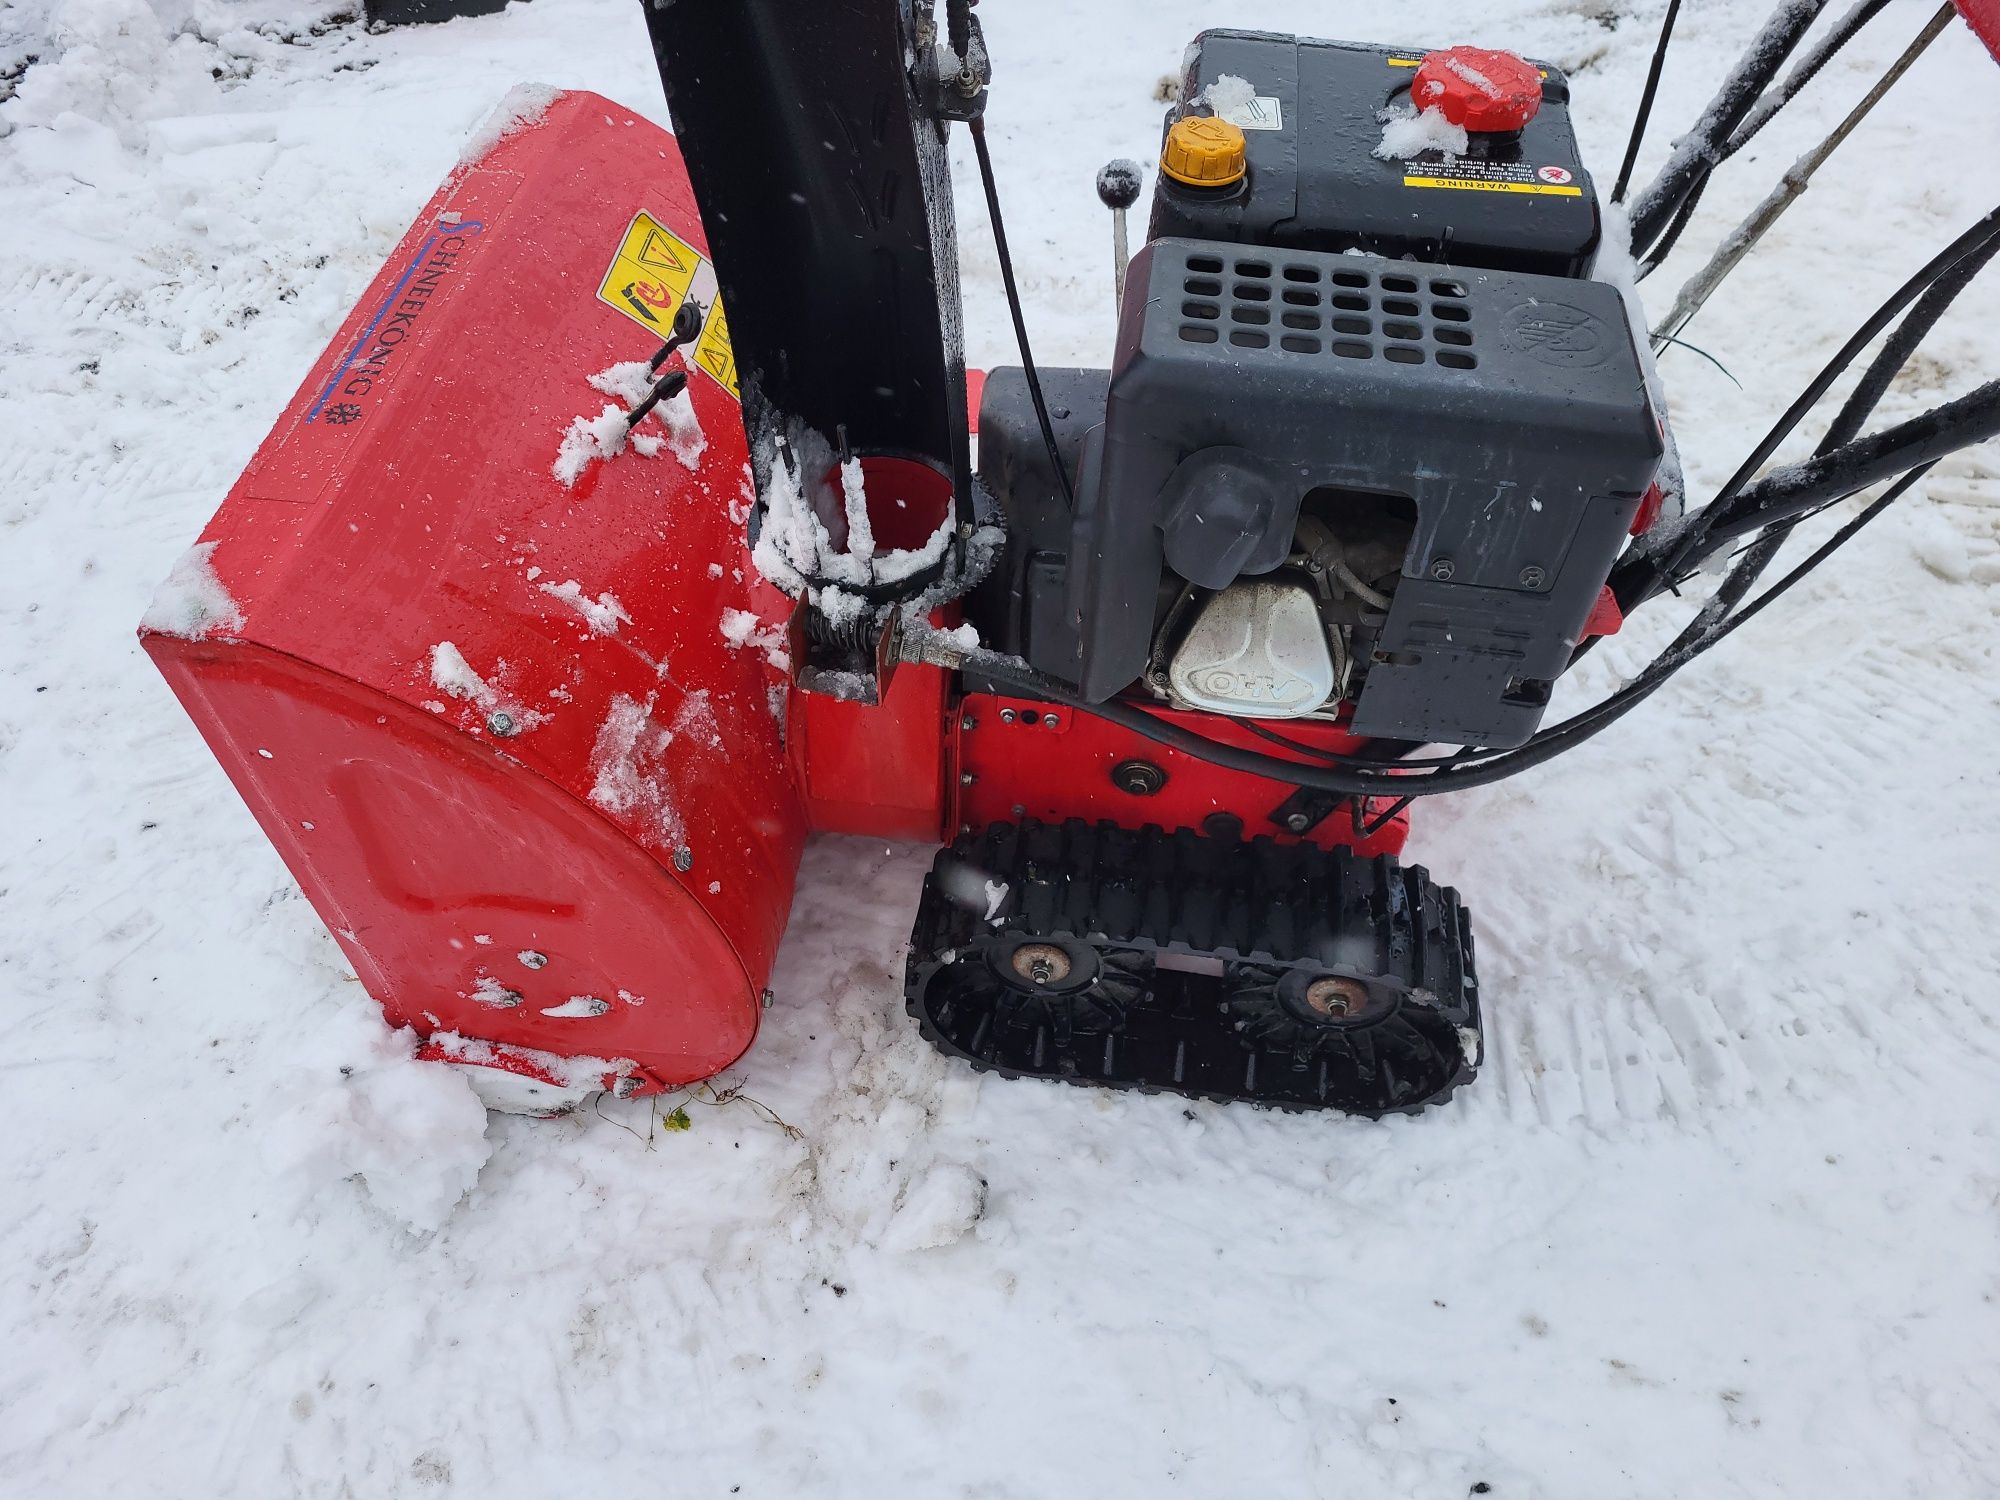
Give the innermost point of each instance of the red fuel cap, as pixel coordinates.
(1478, 88)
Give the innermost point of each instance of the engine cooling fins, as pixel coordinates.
(1277, 974)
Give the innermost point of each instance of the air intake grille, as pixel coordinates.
(1260, 302)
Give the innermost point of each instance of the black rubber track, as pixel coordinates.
(1176, 963)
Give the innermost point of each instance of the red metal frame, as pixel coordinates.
(1015, 758)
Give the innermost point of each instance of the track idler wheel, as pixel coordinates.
(1371, 1046)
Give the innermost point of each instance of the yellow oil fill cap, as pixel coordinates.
(1203, 151)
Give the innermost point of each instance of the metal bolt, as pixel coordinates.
(501, 724)
(968, 723)
(767, 999)
(966, 778)
(1298, 822)
(1138, 778)
(1007, 716)
(1533, 577)
(1335, 998)
(1041, 963)
(684, 859)
(1051, 720)
(1442, 568)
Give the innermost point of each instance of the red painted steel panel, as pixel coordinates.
(405, 501)
(1983, 16)
(1046, 762)
(878, 771)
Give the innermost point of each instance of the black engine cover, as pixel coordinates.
(1467, 401)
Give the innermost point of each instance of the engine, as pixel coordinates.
(1372, 437)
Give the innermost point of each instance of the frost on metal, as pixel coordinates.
(695, 719)
(192, 603)
(628, 763)
(523, 106)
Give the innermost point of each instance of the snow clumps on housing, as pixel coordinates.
(452, 675)
(1406, 134)
(192, 603)
(631, 382)
(628, 763)
(1232, 99)
(603, 615)
(523, 105)
(605, 435)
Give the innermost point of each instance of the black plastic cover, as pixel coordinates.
(1507, 411)
(1518, 203)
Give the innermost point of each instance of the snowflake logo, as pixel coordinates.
(343, 412)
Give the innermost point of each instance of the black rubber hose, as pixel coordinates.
(978, 128)
(1682, 218)
(1846, 470)
(1816, 57)
(1645, 110)
(1901, 344)
(1646, 573)
(1696, 152)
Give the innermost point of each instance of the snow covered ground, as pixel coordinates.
(1719, 1219)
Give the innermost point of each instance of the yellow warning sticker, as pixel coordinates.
(713, 353)
(653, 272)
(1480, 185)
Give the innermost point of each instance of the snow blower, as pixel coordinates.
(636, 525)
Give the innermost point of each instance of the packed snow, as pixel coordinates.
(587, 439)
(603, 615)
(524, 105)
(1231, 98)
(815, 537)
(192, 602)
(631, 382)
(1717, 1220)
(451, 673)
(1407, 133)
(628, 764)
